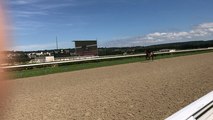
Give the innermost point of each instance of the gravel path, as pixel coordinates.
(137, 91)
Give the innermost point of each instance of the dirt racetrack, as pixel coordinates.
(137, 91)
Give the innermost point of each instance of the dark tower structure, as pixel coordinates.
(86, 47)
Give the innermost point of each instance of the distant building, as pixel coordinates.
(167, 50)
(86, 47)
(43, 59)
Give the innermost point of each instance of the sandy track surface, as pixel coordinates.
(136, 91)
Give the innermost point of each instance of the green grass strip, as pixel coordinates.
(74, 67)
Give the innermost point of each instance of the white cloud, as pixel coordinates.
(27, 14)
(28, 25)
(36, 7)
(52, 6)
(22, 2)
(42, 4)
(33, 47)
(46, 46)
(200, 32)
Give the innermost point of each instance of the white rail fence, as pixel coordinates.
(97, 59)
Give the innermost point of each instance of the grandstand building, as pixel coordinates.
(86, 47)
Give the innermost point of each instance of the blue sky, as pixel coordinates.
(36, 23)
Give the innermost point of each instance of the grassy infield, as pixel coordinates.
(74, 67)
